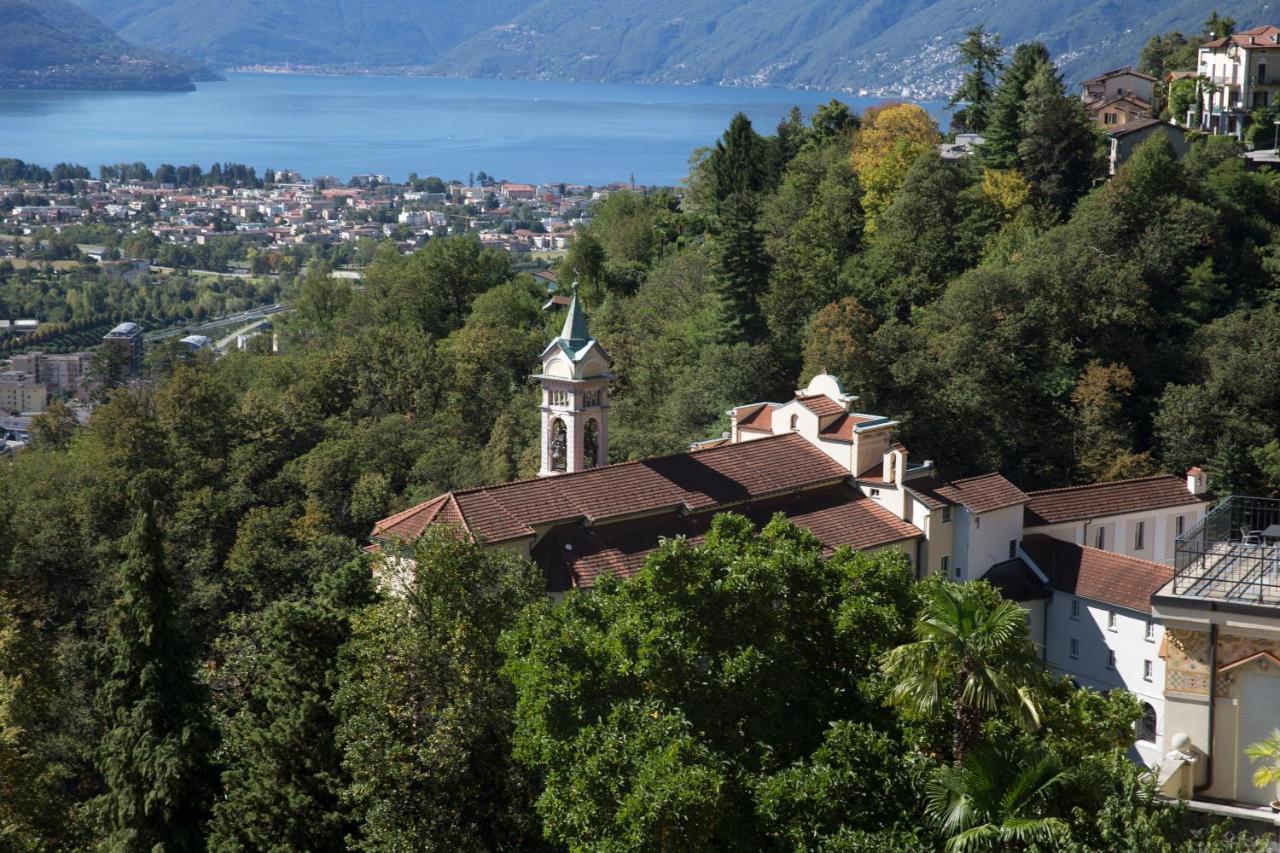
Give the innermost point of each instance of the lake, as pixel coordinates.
(531, 131)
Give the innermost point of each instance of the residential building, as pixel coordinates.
(128, 337)
(60, 374)
(1125, 138)
(1120, 96)
(1240, 73)
(20, 392)
(1221, 613)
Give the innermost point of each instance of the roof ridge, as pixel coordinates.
(630, 462)
(1059, 489)
(1053, 540)
(973, 477)
(409, 512)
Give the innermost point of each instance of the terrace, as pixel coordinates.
(1232, 555)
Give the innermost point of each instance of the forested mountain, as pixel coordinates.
(365, 33)
(54, 44)
(882, 45)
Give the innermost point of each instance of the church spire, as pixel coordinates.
(575, 323)
(575, 398)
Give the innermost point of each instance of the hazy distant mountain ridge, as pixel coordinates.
(885, 46)
(355, 33)
(54, 44)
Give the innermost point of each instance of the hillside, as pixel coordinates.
(884, 46)
(343, 33)
(54, 44)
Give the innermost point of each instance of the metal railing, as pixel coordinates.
(1230, 554)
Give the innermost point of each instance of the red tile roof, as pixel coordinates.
(821, 405)
(983, 493)
(841, 429)
(1262, 38)
(696, 482)
(1079, 503)
(573, 556)
(757, 418)
(1097, 575)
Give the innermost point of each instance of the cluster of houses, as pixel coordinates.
(292, 212)
(1150, 585)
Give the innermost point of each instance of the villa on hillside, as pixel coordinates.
(1130, 584)
(1235, 79)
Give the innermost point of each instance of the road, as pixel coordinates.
(220, 325)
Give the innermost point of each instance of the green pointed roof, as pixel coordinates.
(575, 325)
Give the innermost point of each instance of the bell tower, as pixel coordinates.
(575, 398)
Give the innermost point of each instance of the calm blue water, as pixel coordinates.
(520, 130)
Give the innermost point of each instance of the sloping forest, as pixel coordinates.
(193, 654)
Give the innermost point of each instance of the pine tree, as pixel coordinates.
(981, 52)
(153, 757)
(739, 163)
(1004, 122)
(1058, 151)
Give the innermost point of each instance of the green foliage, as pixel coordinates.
(651, 706)
(425, 713)
(153, 756)
(980, 52)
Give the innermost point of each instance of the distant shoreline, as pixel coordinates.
(416, 71)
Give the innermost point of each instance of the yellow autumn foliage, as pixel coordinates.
(889, 141)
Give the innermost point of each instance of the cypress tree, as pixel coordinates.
(739, 162)
(1058, 152)
(153, 757)
(741, 269)
(1004, 121)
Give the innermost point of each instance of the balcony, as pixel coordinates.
(1232, 555)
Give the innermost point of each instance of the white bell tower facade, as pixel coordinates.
(575, 399)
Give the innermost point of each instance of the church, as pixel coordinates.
(1083, 561)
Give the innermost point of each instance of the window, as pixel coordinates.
(1262, 78)
(559, 450)
(1075, 649)
(1111, 659)
(1111, 620)
(1100, 539)
(959, 571)
(945, 563)
(1139, 535)
(1179, 524)
(1108, 118)
(1147, 725)
(591, 444)
(1075, 608)
(977, 522)
(1151, 631)
(946, 515)
(1146, 670)
(875, 493)
(1013, 548)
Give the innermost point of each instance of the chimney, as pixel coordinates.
(1197, 483)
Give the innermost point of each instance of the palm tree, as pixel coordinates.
(992, 801)
(971, 650)
(1267, 750)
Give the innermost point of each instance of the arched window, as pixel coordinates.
(795, 421)
(559, 446)
(590, 444)
(1147, 725)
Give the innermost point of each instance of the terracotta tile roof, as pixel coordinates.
(1262, 38)
(1016, 581)
(574, 556)
(821, 405)
(1079, 503)
(983, 493)
(694, 481)
(841, 429)
(757, 418)
(1097, 575)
